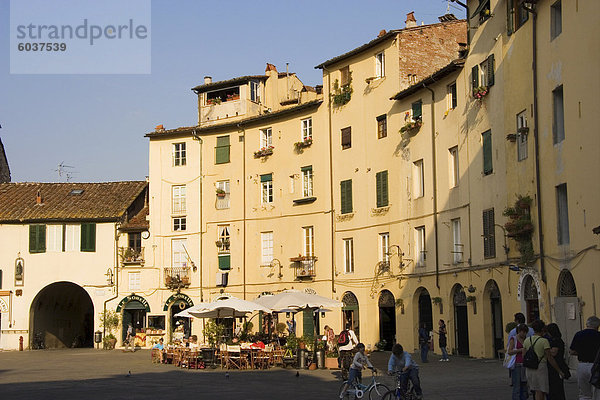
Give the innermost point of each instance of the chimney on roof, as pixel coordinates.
(207, 80)
(270, 67)
(381, 33)
(411, 22)
(160, 128)
(38, 198)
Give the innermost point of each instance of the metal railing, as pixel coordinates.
(131, 256)
(177, 277)
(305, 267)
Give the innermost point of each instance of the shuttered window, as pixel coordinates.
(489, 237)
(37, 238)
(345, 75)
(88, 237)
(382, 188)
(224, 262)
(487, 152)
(222, 150)
(346, 138)
(562, 210)
(308, 323)
(417, 110)
(381, 126)
(475, 77)
(346, 196)
(490, 70)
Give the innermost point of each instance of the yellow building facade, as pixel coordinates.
(388, 187)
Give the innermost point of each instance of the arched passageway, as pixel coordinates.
(62, 316)
(461, 320)
(493, 292)
(350, 312)
(387, 318)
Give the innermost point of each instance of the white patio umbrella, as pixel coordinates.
(295, 299)
(226, 307)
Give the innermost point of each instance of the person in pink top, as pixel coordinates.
(515, 347)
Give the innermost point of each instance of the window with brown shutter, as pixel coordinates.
(346, 138)
(381, 126)
(345, 79)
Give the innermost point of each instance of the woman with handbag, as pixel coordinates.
(514, 361)
(557, 349)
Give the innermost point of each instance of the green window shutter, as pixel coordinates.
(37, 238)
(489, 238)
(308, 323)
(346, 196)
(266, 178)
(490, 70)
(88, 237)
(382, 188)
(487, 153)
(417, 110)
(510, 17)
(308, 168)
(225, 262)
(222, 150)
(475, 77)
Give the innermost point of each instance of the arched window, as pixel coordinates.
(566, 284)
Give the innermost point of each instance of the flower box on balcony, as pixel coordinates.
(221, 193)
(480, 92)
(265, 151)
(304, 143)
(302, 258)
(411, 126)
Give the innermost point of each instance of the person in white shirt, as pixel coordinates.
(346, 349)
(359, 362)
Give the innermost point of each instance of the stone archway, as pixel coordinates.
(567, 308)
(424, 310)
(461, 320)
(495, 328)
(350, 312)
(387, 318)
(62, 316)
(531, 298)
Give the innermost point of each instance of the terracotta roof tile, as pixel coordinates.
(137, 222)
(106, 201)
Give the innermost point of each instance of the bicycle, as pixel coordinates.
(400, 393)
(357, 390)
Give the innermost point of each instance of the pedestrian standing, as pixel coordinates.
(585, 346)
(443, 341)
(557, 349)
(515, 349)
(424, 342)
(537, 378)
(346, 341)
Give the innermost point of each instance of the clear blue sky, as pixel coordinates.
(97, 123)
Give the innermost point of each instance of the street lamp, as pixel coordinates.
(109, 277)
(275, 262)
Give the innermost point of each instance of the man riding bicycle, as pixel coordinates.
(401, 361)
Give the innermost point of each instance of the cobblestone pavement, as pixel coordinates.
(95, 374)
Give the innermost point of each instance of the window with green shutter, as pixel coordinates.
(222, 150)
(490, 70)
(417, 110)
(487, 152)
(346, 196)
(308, 323)
(489, 236)
(224, 262)
(382, 188)
(474, 77)
(37, 238)
(88, 237)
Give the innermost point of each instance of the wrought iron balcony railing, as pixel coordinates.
(177, 277)
(131, 256)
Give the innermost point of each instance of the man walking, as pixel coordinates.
(424, 339)
(585, 346)
(346, 342)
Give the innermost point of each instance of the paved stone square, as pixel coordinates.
(96, 374)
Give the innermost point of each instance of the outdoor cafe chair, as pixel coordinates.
(234, 358)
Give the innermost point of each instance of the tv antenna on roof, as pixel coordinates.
(62, 172)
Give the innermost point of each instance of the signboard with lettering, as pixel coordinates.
(178, 298)
(133, 297)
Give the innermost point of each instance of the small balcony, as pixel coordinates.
(131, 256)
(177, 277)
(304, 267)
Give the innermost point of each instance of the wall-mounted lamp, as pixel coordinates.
(471, 289)
(275, 262)
(109, 277)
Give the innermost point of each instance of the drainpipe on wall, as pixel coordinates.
(116, 277)
(434, 166)
(331, 205)
(536, 145)
(199, 139)
(240, 129)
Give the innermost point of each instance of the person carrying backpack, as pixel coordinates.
(535, 360)
(346, 341)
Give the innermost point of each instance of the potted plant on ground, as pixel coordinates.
(331, 358)
(109, 320)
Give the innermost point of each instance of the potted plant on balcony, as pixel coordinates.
(263, 152)
(306, 142)
(411, 125)
(220, 193)
(480, 92)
